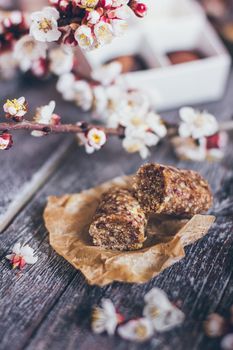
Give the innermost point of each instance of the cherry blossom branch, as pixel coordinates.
(197, 137)
(79, 128)
(83, 127)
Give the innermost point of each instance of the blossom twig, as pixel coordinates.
(81, 128)
(197, 137)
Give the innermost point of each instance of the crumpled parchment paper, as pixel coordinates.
(68, 217)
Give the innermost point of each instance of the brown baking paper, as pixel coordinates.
(67, 219)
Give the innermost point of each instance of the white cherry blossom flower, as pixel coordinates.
(45, 115)
(44, 26)
(27, 50)
(119, 26)
(197, 124)
(65, 85)
(103, 33)
(114, 93)
(83, 35)
(105, 318)
(96, 138)
(93, 140)
(189, 149)
(205, 148)
(136, 102)
(21, 255)
(100, 100)
(161, 312)
(61, 60)
(93, 17)
(15, 108)
(138, 330)
(138, 140)
(107, 73)
(83, 95)
(149, 122)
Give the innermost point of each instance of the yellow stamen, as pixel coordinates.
(136, 121)
(154, 312)
(15, 104)
(96, 315)
(141, 331)
(84, 39)
(45, 25)
(96, 138)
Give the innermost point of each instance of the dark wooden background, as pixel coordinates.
(48, 305)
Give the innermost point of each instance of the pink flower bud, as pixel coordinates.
(6, 141)
(218, 141)
(69, 39)
(55, 119)
(139, 8)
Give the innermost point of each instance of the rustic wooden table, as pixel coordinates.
(48, 305)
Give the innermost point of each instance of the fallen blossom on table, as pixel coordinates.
(217, 326)
(227, 342)
(159, 315)
(138, 330)
(105, 318)
(22, 255)
(161, 312)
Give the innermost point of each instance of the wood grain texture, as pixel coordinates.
(25, 167)
(49, 305)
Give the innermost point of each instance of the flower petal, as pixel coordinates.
(138, 330)
(10, 256)
(187, 114)
(30, 259)
(16, 248)
(185, 130)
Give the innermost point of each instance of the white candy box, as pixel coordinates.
(172, 25)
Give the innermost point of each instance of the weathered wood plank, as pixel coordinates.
(48, 306)
(56, 296)
(194, 281)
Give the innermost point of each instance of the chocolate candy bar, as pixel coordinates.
(167, 190)
(119, 222)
